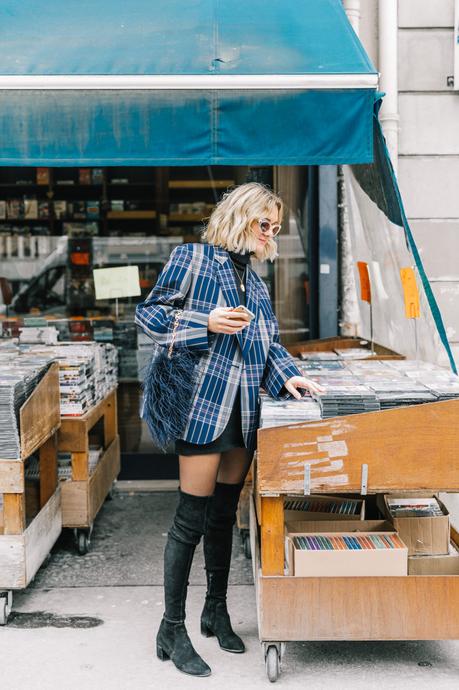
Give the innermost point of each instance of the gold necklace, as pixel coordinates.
(242, 286)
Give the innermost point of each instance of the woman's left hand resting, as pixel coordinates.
(301, 382)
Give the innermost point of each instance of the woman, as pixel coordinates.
(237, 356)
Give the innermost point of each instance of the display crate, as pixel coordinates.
(403, 449)
(25, 544)
(84, 494)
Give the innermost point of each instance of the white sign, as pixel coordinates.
(112, 283)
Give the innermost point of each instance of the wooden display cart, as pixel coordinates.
(407, 448)
(25, 544)
(84, 494)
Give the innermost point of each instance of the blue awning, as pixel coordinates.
(183, 82)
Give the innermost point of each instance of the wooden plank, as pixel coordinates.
(11, 476)
(48, 469)
(359, 608)
(188, 216)
(330, 344)
(243, 509)
(12, 562)
(75, 504)
(13, 514)
(126, 215)
(110, 419)
(107, 470)
(41, 535)
(44, 405)
(80, 466)
(72, 435)
(272, 535)
(410, 448)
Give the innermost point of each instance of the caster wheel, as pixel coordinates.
(111, 494)
(247, 548)
(6, 604)
(83, 543)
(272, 664)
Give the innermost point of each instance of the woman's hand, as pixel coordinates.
(225, 320)
(301, 382)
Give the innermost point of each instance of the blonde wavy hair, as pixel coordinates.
(230, 221)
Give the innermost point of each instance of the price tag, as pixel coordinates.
(365, 287)
(411, 293)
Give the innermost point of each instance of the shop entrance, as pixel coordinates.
(136, 215)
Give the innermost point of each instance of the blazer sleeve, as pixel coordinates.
(279, 367)
(157, 313)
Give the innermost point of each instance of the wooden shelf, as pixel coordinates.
(131, 184)
(131, 215)
(84, 494)
(187, 216)
(200, 184)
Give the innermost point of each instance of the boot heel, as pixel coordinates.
(206, 631)
(161, 654)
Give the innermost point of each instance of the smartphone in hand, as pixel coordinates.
(244, 310)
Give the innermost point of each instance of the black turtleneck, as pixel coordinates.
(240, 262)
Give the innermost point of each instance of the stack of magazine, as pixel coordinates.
(18, 379)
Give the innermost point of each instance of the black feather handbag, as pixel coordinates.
(168, 391)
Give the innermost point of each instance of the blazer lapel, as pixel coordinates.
(227, 280)
(252, 304)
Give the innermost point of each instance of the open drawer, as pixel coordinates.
(410, 448)
(353, 608)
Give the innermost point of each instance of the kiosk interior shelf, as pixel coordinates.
(25, 543)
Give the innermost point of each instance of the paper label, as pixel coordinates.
(121, 281)
(365, 287)
(410, 293)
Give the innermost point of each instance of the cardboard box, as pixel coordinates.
(345, 563)
(298, 513)
(424, 536)
(332, 526)
(435, 565)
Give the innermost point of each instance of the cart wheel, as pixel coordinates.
(272, 664)
(247, 548)
(6, 604)
(83, 543)
(111, 493)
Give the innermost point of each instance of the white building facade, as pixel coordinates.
(412, 43)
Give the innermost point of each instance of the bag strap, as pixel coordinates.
(198, 249)
(178, 314)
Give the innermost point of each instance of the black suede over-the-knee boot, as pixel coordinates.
(172, 641)
(218, 540)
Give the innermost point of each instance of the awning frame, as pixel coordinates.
(189, 82)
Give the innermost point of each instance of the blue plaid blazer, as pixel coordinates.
(197, 278)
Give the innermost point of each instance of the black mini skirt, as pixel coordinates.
(231, 437)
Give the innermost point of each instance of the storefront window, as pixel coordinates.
(136, 216)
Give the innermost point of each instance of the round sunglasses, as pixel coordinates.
(266, 226)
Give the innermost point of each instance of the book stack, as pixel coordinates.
(87, 372)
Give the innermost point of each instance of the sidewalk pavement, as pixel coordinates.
(108, 605)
